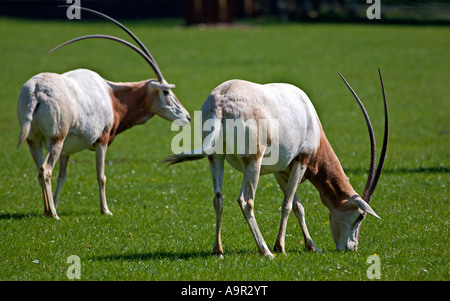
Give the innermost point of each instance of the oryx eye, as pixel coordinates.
(166, 95)
(360, 218)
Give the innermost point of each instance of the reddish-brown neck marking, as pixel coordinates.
(326, 174)
(131, 105)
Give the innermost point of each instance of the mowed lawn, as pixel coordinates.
(164, 220)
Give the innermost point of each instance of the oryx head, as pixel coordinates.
(345, 221)
(167, 105)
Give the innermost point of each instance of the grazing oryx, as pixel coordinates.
(67, 113)
(304, 153)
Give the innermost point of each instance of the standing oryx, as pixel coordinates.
(304, 153)
(67, 113)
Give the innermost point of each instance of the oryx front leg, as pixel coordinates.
(289, 189)
(216, 165)
(299, 213)
(100, 150)
(246, 200)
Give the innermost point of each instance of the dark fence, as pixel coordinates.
(118, 8)
(228, 11)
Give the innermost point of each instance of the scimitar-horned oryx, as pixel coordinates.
(77, 110)
(304, 153)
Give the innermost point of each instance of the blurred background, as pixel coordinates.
(231, 11)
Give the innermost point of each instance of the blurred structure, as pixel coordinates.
(209, 11)
(228, 11)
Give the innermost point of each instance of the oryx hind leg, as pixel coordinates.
(216, 165)
(100, 150)
(62, 175)
(45, 169)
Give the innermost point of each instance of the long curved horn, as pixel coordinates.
(154, 65)
(374, 176)
(132, 35)
(385, 141)
(366, 195)
(98, 36)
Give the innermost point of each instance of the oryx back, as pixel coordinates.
(285, 108)
(74, 106)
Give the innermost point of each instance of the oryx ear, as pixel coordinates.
(364, 206)
(164, 86)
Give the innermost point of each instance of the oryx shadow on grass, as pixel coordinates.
(18, 216)
(159, 255)
(156, 255)
(402, 170)
(38, 214)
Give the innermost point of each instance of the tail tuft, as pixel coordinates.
(207, 148)
(174, 159)
(26, 107)
(24, 131)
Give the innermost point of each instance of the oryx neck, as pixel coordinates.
(327, 175)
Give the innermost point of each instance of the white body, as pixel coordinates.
(271, 102)
(76, 100)
(304, 153)
(67, 113)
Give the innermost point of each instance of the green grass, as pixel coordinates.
(163, 223)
